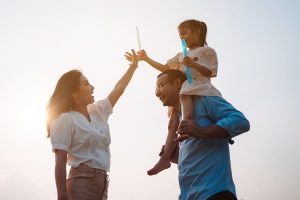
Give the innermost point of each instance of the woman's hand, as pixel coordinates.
(132, 57)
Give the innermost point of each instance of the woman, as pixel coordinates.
(79, 134)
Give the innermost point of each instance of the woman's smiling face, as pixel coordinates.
(84, 95)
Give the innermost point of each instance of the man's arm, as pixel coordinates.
(190, 128)
(229, 122)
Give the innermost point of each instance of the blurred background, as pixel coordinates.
(258, 47)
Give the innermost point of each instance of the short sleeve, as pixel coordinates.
(174, 63)
(209, 60)
(104, 107)
(61, 133)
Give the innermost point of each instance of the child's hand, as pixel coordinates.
(142, 55)
(188, 61)
(132, 57)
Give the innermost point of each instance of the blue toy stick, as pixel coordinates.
(187, 68)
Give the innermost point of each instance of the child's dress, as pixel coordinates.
(201, 84)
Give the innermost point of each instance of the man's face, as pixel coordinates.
(167, 91)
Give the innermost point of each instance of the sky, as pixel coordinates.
(258, 47)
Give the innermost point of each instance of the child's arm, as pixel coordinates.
(188, 61)
(160, 67)
(142, 55)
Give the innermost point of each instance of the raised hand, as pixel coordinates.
(132, 57)
(142, 55)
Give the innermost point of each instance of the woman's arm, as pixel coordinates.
(60, 174)
(124, 81)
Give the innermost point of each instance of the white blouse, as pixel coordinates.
(86, 142)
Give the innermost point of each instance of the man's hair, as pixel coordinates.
(174, 74)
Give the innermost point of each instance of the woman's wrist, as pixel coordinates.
(133, 66)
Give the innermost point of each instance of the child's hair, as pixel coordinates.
(193, 25)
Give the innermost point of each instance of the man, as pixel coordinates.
(204, 159)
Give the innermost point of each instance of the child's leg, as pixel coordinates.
(187, 112)
(186, 106)
(170, 145)
(171, 142)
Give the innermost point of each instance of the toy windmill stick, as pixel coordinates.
(187, 68)
(138, 38)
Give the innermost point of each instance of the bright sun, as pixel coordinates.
(33, 116)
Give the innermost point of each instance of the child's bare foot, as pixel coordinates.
(161, 165)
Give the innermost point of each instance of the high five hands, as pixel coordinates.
(141, 55)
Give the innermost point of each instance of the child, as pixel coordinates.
(202, 61)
